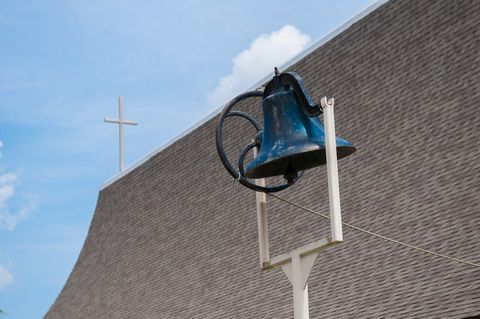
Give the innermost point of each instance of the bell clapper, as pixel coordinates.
(290, 173)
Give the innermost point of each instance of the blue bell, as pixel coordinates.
(293, 137)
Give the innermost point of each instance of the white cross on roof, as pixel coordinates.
(121, 122)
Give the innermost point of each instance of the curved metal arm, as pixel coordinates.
(245, 116)
(219, 131)
(223, 156)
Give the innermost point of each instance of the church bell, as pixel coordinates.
(293, 137)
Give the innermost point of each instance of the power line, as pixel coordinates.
(377, 235)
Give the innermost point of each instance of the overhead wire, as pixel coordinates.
(426, 251)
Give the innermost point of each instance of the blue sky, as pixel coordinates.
(63, 65)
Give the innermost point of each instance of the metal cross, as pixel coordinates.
(120, 121)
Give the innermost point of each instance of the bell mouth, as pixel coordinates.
(299, 162)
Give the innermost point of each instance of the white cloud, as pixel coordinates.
(254, 63)
(6, 188)
(8, 218)
(6, 277)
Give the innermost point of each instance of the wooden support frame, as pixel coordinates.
(297, 264)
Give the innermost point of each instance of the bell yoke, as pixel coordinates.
(292, 139)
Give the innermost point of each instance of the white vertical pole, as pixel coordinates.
(298, 270)
(332, 170)
(300, 289)
(262, 220)
(120, 112)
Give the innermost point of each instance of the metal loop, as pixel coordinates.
(221, 152)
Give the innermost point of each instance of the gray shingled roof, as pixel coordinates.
(175, 238)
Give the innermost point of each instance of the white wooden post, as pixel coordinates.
(263, 245)
(332, 170)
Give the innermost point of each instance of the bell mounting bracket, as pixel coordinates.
(293, 80)
(298, 263)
